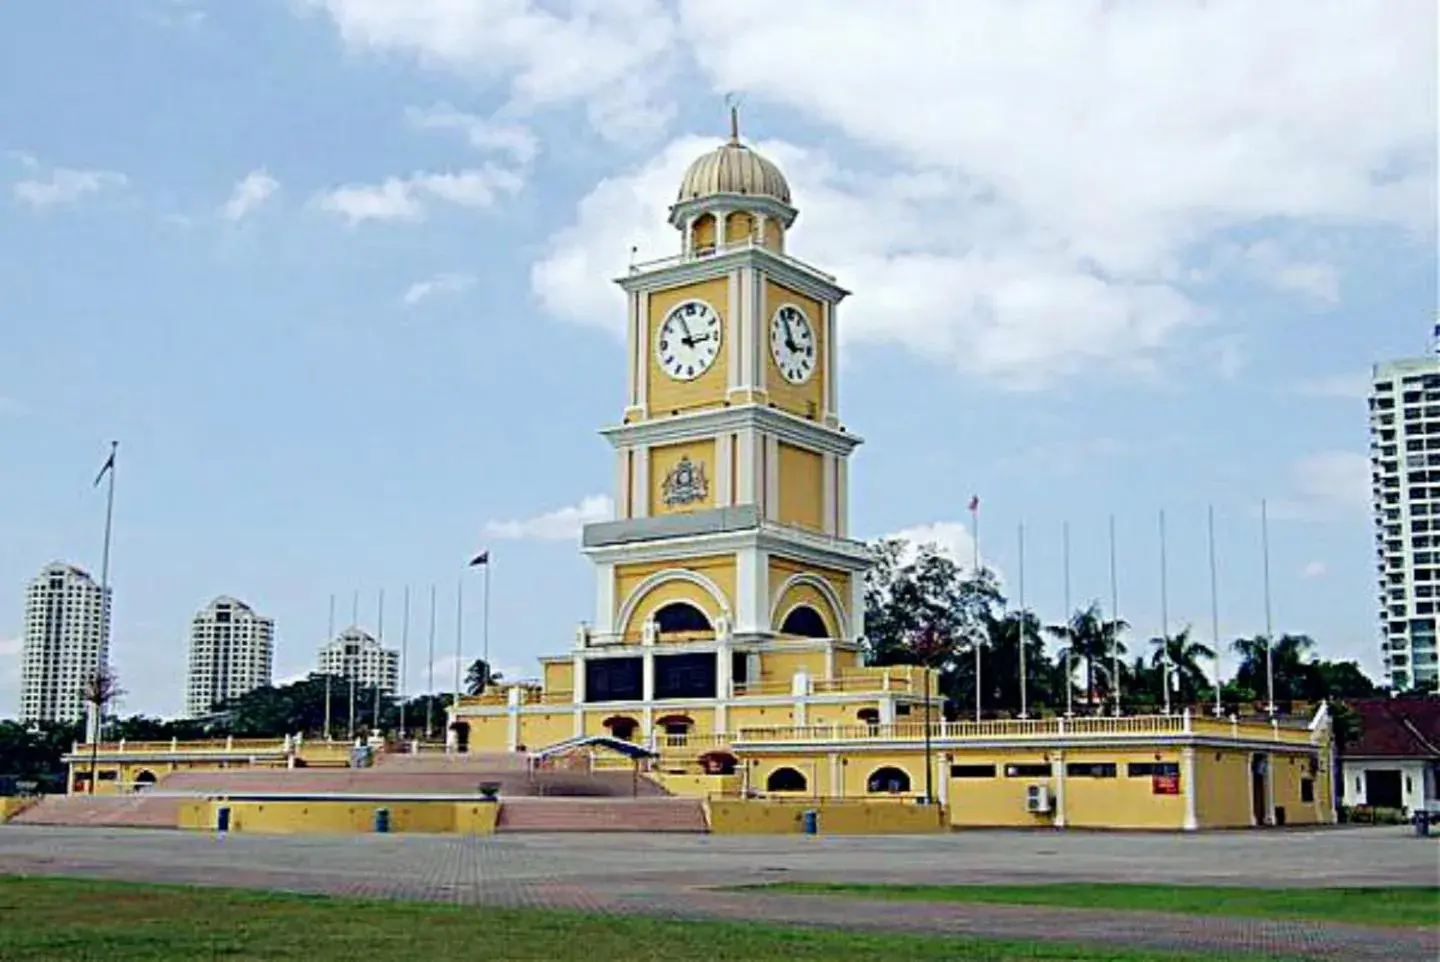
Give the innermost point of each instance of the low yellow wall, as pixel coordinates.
(696, 786)
(10, 807)
(836, 817)
(310, 817)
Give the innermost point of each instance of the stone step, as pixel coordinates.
(601, 815)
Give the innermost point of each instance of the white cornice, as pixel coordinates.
(817, 549)
(713, 421)
(783, 269)
(732, 204)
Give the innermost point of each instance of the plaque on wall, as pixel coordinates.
(685, 483)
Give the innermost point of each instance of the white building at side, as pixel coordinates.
(356, 654)
(232, 651)
(66, 639)
(1405, 474)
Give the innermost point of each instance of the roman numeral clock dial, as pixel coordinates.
(792, 344)
(688, 341)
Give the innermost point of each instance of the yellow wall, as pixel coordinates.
(739, 226)
(704, 235)
(559, 675)
(1222, 789)
(542, 730)
(783, 568)
(307, 817)
(801, 487)
(10, 807)
(663, 460)
(805, 594)
(760, 716)
(1122, 801)
(718, 568)
(835, 817)
(802, 399)
(667, 395)
(697, 786)
(780, 666)
(488, 733)
(1288, 771)
(774, 235)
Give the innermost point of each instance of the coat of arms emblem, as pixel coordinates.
(685, 483)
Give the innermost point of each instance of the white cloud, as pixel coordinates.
(1326, 486)
(562, 524)
(437, 284)
(612, 57)
(402, 199)
(1314, 569)
(64, 186)
(1351, 387)
(483, 134)
(9, 673)
(953, 539)
(256, 188)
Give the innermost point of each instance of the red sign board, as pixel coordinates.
(1165, 784)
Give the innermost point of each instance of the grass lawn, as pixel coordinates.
(53, 919)
(1400, 906)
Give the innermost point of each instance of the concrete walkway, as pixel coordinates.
(676, 877)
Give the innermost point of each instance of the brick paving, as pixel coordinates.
(677, 876)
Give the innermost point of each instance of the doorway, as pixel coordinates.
(1259, 791)
(1382, 788)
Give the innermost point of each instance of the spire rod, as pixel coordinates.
(734, 124)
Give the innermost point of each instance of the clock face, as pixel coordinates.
(792, 344)
(688, 341)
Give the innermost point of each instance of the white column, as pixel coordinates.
(836, 787)
(722, 684)
(800, 691)
(761, 327)
(829, 661)
(1269, 789)
(640, 483)
(832, 367)
(942, 779)
(744, 328)
(577, 683)
(1187, 788)
(752, 591)
(724, 452)
(642, 352)
(842, 497)
(735, 323)
(632, 346)
(772, 478)
(745, 466)
(857, 606)
(512, 710)
(605, 599)
(622, 484)
(827, 493)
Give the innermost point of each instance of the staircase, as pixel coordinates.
(102, 811)
(663, 814)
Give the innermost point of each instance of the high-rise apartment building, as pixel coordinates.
(1405, 476)
(66, 639)
(232, 651)
(356, 654)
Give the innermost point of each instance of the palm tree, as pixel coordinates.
(99, 688)
(1289, 657)
(1187, 677)
(1002, 663)
(1089, 636)
(479, 676)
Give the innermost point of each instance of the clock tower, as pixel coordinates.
(729, 542)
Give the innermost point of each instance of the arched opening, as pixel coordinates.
(622, 727)
(888, 779)
(805, 622)
(718, 763)
(675, 728)
(785, 780)
(869, 716)
(462, 735)
(144, 780)
(681, 616)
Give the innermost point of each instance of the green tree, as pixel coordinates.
(1188, 683)
(1094, 642)
(1291, 657)
(479, 676)
(1000, 664)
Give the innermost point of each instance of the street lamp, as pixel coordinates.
(929, 646)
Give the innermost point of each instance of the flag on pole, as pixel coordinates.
(108, 466)
(483, 558)
(974, 502)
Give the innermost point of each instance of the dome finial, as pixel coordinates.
(733, 102)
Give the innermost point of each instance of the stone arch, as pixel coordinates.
(786, 779)
(144, 779)
(805, 621)
(888, 778)
(622, 727)
(644, 588)
(837, 617)
(676, 616)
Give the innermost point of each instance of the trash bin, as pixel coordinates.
(1422, 824)
(382, 820)
(811, 820)
(222, 818)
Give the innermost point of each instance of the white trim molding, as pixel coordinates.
(627, 609)
(827, 591)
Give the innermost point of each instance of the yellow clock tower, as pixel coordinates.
(728, 559)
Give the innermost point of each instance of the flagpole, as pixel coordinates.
(430, 672)
(379, 674)
(329, 639)
(404, 657)
(1166, 669)
(1269, 627)
(1069, 620)
(459, 646)
(350, 669)
(1024, 695)
(1114, 622)
(485, 622)
(1214, 611)
(102, 655)
(975, 532)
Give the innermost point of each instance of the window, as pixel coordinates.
(972, 771)
(805, 622)
(1150, 769)
(888, 779)
(785, 780)
(1307, 790)
(1028, 771)
(1090, 770)
(681, 616)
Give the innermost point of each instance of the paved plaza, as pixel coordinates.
(676, 876)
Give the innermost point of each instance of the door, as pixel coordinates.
(1259, 793)
(1382, 788)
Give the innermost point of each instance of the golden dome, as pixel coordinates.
(733, 168)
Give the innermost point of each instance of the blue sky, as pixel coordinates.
(335, 273)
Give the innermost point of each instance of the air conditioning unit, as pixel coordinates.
(1037, 799)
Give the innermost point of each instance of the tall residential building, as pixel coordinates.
(66, 638)
(1405, 473)
(232, 651)
(356, 654)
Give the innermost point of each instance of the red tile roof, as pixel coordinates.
(1397, 728)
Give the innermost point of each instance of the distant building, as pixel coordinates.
(1405, 475)
(65, 640)
(232, 651)
(1396, 761)
(356, 654)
